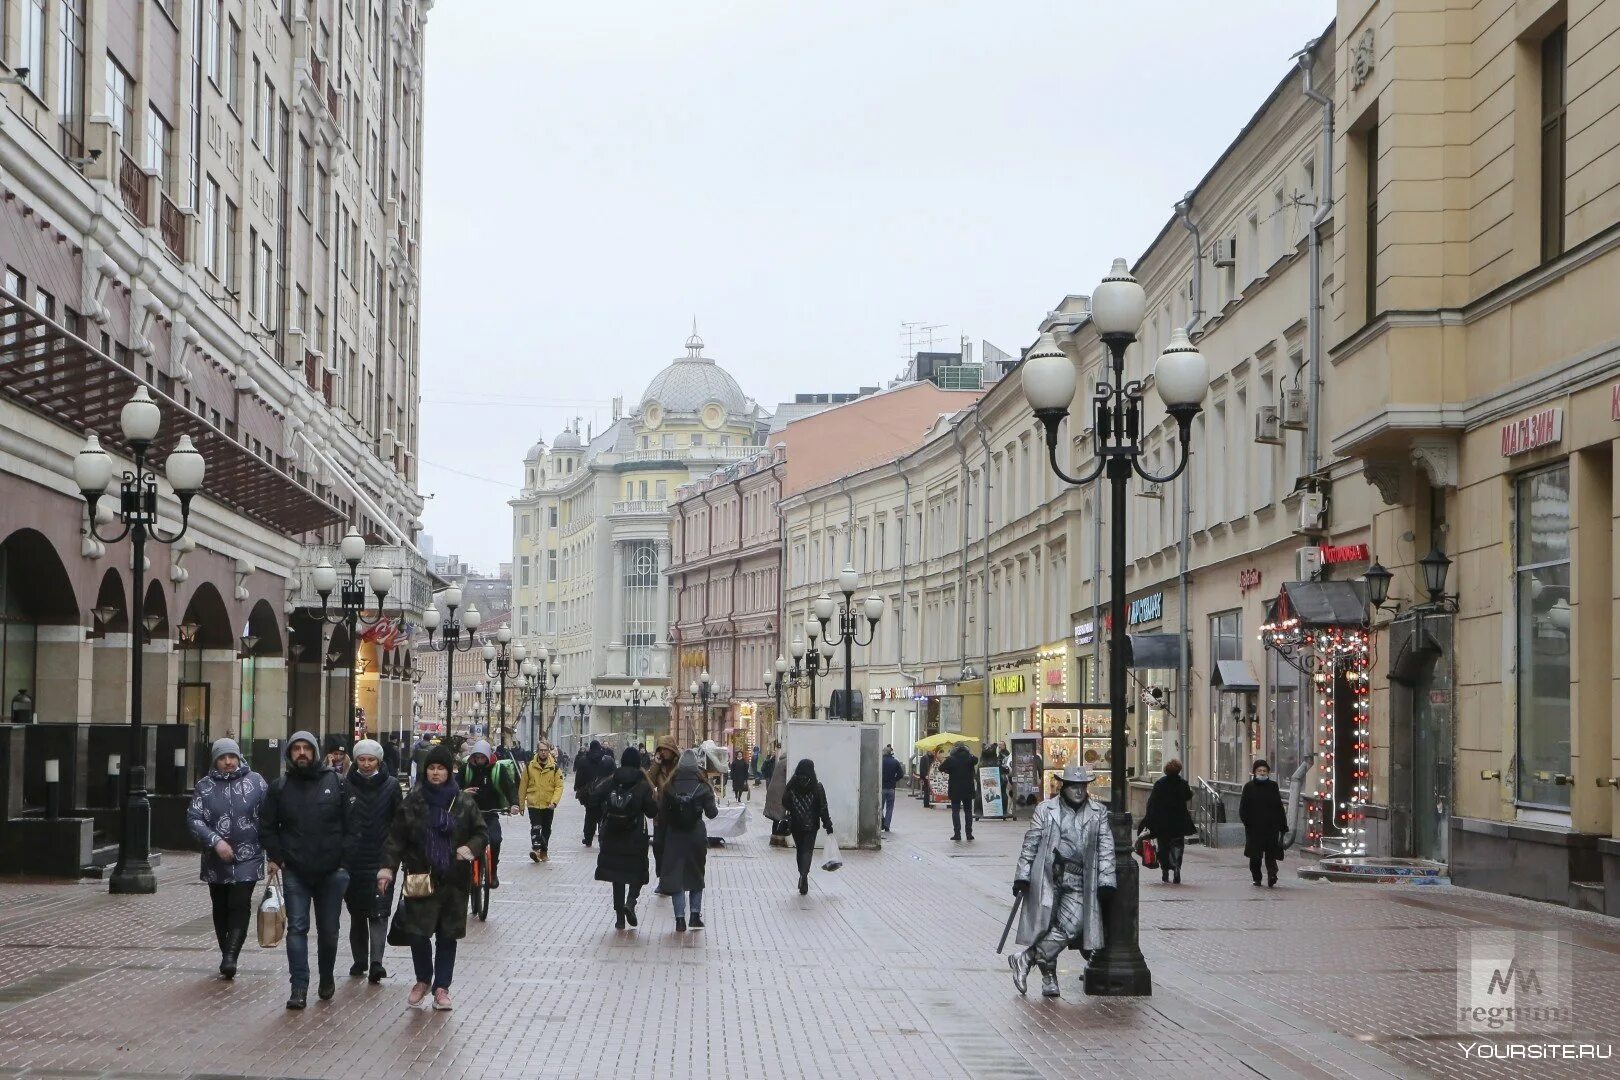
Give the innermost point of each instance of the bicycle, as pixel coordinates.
(483, 869)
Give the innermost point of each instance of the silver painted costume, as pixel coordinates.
(1067, 855)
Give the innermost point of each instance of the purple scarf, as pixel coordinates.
(439, 828)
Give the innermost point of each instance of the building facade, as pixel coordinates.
(219, 202)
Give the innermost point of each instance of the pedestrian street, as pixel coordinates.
(886, 969)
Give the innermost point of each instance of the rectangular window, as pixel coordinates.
(1234, 742)
(233, 65)
(306, 178)
(70, 91)
(212, 10)
(258, 103)
(160, 150)
(233, 226)
(1370, 141)
(210, 226)
(1553, 101)
(255, 298)
(323, 199)
(1542, 588)
(1289, 735)
(121, 105)
(33, 45)
(269, 120)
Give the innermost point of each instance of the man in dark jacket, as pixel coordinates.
(374, 798)
(960, 767)
(303, 825)
(588, 770)
(893, 772)
(1265, 822)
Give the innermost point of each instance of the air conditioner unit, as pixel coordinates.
(1293, 408)
(1225, 251)
(1151, 490)
(1308, 563)
(1312, 512)
(1267, 428)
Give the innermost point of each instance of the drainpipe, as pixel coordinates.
(961, 572)
(905, 516)
(1184, 544)
(1313, 314)
(984, 585)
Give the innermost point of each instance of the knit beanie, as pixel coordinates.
(368, 748)
(223, 747)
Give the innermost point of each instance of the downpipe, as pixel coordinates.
(1184, 542)
(1313, 314)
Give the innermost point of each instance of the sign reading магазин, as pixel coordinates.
(1544, 427)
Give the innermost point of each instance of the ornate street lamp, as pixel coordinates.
(1181, 376)
(535, 685)
(849, 620)
(637, 696)
(700, 689)
(352, 605)
(498, 665)
(139, 421)
(450, 642)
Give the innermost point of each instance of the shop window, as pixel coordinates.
(1289, 734)
(1542, 638)
(1232, 741)
(1553, 102)
(1156, 721)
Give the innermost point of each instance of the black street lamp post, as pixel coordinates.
(808, 663)
(700, 689)
(449, 642)
(637, 696)
(1181, 376)
(849, 625)
(774, 679)
(137, 512)
(498, 666)
(535, 685)
(352, 606)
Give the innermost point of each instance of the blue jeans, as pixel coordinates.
(680, 903)
(434, 970)
(326, 893)
(888, 807)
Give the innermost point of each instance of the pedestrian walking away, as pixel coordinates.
(435, 838)
(539, 794)
(739, 777)
(961, 768)
(374, 799)
(1168, 821)
(624, 803)
(589, 770)
(303, 824)
(924, 767)
(493, 784)
(390, 746)
(659, 774)
(805, 803)
(893, 773)
(1066, 876)
(1264, 822)
(224, 817)
(687, 800)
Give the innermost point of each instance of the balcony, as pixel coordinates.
(317, 70)
(576, 525)
(412, 588)
(312, 369)
(635, 507)
(332, 104)
(704, 453)
(132, 187)
(172, 226)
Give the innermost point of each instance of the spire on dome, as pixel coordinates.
(694, 344)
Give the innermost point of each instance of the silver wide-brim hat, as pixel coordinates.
(1076, 774)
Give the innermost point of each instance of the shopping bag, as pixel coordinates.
(833, 859)
(1150, 854)
(272, 915)
(396, 929)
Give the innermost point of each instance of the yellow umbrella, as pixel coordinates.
(944, 738)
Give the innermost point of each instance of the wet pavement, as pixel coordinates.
(886, 969)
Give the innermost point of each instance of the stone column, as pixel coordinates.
(615, 634)
(61, 674)
(109, 679)
(307, 698)
(269, 674)
(222, 673)
(160, 678)
(661, 625)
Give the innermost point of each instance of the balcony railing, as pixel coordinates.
(641, 506)
(132, 187)
(172, 224)
(576, 525)
(412, 588)
(702, 452)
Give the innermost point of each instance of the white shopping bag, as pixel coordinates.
(272, 915)
(833, 859)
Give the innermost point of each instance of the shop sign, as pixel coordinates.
(1084, 633)
(1248, 579)
(1147, 609)
(1007, 684)
(1343, 553)
(620, 695)
(1543, 427)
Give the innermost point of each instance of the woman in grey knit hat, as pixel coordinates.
(224, 817)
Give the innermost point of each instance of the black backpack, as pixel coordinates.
(688, 809)
(622, 807)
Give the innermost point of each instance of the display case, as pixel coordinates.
(1074, 733)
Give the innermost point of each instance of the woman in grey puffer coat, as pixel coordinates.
(224, 817)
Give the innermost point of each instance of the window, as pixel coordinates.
(33, 45)
(323, 198)
(160, 149)
(1288, 729)
(1542, 589)
(258, 103)
(70, 92)
(233, 65)
(551, 523)
(121, 105)
(551, 559)
(210, 226)
(255, 297)
(233, 227)
(1371, 228)
(212, 10)
(1234, 739)
(306, 178)
(269, 120)
(1553, 101)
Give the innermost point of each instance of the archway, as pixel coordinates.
(110, 651)
(263, 675)
(208, 667)
(39, 677)
(338, 665)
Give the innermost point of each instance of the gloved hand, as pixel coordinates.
(1021, 887)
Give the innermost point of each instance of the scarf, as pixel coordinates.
(439, 828)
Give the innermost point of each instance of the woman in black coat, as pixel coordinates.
(1167, 819)
(687, 800)
(1264, 822)
(739, 776)
(623, 804)
(374, 798)
(805, 803)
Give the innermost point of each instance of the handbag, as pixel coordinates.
(272, 915)
(396, 931)
(1148, 852)
(782, 826)
(416, 887)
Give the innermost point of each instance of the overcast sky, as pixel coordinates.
(802, 177)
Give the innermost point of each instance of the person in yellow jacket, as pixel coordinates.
(540, 792)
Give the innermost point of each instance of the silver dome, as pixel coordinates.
(568, 440)
(692, 381)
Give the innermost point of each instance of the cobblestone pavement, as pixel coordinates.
(886, 969)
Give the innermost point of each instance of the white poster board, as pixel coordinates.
(845, 754)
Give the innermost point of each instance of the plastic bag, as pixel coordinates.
(1149, 853)
(272, 916)
(833, 858)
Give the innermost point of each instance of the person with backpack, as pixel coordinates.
(687, 800)
(739, 777)
(805, 802)
(493, 784)
(542, 791)
(624, 803)
(588, 772)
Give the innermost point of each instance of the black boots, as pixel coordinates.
(680, 925)
(377, 974)
(327, 988)
(804, 884)
(697, 921)
(297, 998)
(618, 917)
(230, 951)
(630, 914)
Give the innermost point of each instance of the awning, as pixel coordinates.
(1321, 603)
(1154, 651)
(50, 371)
(1235, 677)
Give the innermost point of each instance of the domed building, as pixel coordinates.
(590, 541)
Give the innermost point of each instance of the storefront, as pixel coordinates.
(894, 708)
(1013, 686)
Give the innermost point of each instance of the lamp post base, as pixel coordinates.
(133, 874)
(1119, 969)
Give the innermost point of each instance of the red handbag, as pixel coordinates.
(1149, 854)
